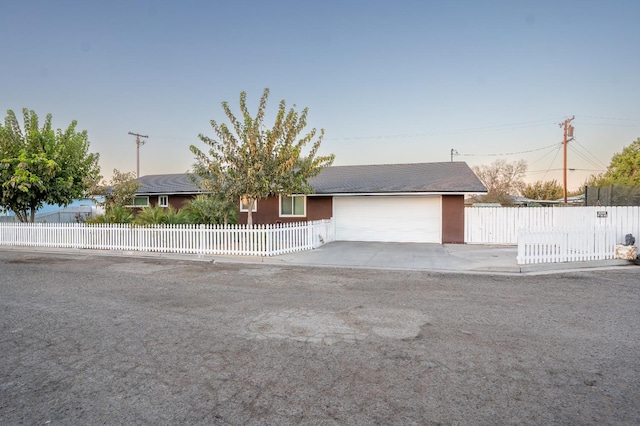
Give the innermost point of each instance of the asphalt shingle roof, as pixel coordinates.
(390, 178)
(442, 177)
(178, 183)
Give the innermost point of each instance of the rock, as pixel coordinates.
(626, 252)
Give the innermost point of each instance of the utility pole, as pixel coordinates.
(138, 143)
(453, 152)
(568, 136)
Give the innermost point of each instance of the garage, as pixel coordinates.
(416, 219)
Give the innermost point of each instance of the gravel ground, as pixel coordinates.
(108, 340)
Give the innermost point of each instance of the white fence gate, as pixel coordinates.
(259, 240)
(562, 244)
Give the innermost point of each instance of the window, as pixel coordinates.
(163, 200)
(293, 205)
(141, 201)
(244, 205)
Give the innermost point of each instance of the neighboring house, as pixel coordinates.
(576, 200)
(421, 202)
(165, 190)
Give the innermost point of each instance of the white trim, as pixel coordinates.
(246, 210)
(140, 206)
(171, 193)
(293, 196)
(391, 194)
(160, 197)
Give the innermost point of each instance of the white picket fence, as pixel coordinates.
(259, 240)
(562, 244)
(553, 234)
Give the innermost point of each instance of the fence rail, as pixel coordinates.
(566, 245)
(259, 240)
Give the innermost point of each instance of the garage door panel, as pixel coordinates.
(395, 219)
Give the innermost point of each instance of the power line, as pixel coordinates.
(587, 159)
(610, 118)
(508, 126)
(609, 124)
(508, 153)
(550, 151)
(560, 169)
(551, 164)
(589, 152)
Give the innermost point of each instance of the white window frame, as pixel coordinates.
(161, 198)
(140, 206)
(304, 207)
(244, 209)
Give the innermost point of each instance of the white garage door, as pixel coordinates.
(394, 219)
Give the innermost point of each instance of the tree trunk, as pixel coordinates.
(249, 210)
(21, 215)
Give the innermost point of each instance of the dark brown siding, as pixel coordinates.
(453, 219)
(176, 201)
(268, 211)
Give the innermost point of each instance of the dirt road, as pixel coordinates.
(106, 340)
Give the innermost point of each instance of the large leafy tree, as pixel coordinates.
(41, 165)
(621, 180)
(543, 190)
(624, 168)
(503, 180)
(250, 161)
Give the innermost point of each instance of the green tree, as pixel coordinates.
(41, 165)
(118, 195)
(119, 191)
(502, 179)
(620, 183)
(543, 190)
(250, 161)
(598, 180)
(624, 168)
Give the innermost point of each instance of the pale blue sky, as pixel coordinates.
(389, 81)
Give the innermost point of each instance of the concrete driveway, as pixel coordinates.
(458, 258)
(427, 257)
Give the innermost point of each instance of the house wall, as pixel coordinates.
(176, 201)
(453, 219)
(268, 211)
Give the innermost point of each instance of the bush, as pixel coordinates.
(115, 214)
(210, 210)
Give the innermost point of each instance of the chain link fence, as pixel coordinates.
(612, 195)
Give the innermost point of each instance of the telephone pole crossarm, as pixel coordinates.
(138, 143)
(568, 136)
